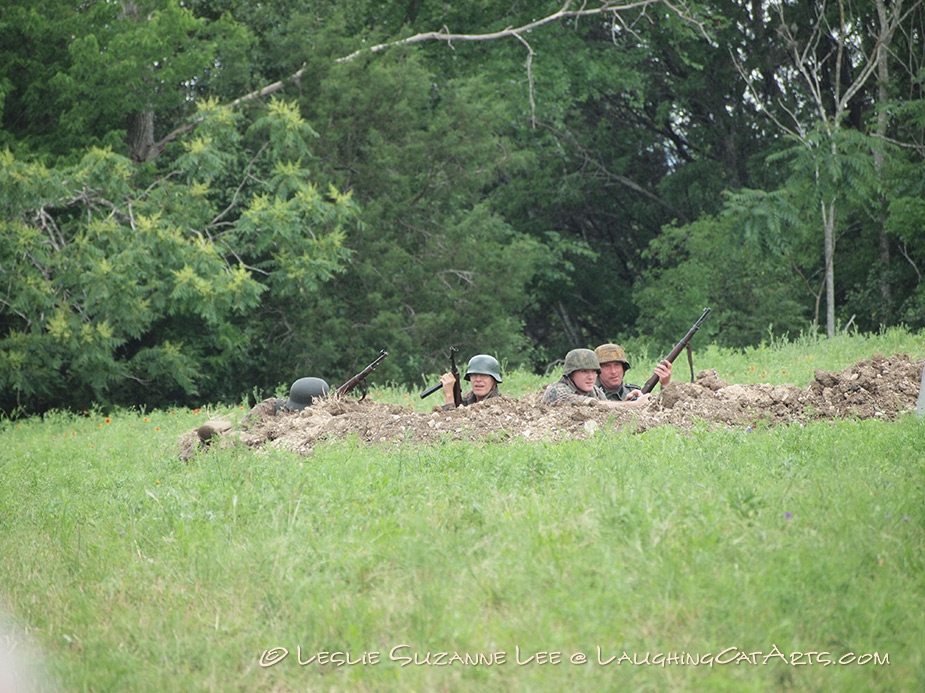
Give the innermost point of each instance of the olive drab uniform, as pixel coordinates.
(621, 393)
(469, 398)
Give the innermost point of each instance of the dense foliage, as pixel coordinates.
(172, 232)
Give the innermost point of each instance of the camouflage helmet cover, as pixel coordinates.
(612, 352)
(303, 393)
(580, 360)
(484, 364)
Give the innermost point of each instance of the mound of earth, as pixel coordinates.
(879, 387)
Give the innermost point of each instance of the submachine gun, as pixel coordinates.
(360, 377)
(678, 348)
(457, 390)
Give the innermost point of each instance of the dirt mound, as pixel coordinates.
(879, 387)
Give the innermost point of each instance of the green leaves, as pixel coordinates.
(123, 287)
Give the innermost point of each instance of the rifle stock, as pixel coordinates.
(678, 348)
(361, 376)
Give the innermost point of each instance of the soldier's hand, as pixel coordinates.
(448, 381)
(663, 371)
(639, 401)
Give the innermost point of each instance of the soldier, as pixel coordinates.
(484, 372)
(578, 384)
(613, 369)
(302, 393)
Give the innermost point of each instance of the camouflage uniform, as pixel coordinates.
(564, 390)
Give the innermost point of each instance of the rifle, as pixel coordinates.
(457, 391)
(678, 348)
(361, 376)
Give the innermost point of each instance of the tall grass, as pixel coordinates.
(136, 572)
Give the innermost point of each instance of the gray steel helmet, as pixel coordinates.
(303, 393)
(485, 365)
(580, 360)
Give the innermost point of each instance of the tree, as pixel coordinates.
(834, 57)
(126, 284)
(715, 262)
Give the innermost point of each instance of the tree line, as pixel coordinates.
(202, 199)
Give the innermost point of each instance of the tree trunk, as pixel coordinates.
(883, 77)
(139, 136)
(828, 222)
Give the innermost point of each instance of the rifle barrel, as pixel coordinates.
(431, 390)
(678, 348)
(361, 376)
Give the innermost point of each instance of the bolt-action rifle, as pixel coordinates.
(361, 376)
(457, 390)
(678, 348)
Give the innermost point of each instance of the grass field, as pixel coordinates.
(786, 558)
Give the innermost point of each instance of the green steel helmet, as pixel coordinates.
(612, 352)
(580, 360)
(303, 393)
(485, 365)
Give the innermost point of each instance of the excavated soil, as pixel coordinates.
(880, 387)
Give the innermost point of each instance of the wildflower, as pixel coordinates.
(751, 368)
(157, 428)
(784, 372)
(788, 515)
(108, 420)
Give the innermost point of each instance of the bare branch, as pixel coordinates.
(563, 13)
(234, 199)
(905, 253)
(607, 7)
(530, 55)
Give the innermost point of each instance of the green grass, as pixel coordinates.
(133, 571)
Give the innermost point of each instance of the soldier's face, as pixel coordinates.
(481, 384)
(612, 374)
(584, 380)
